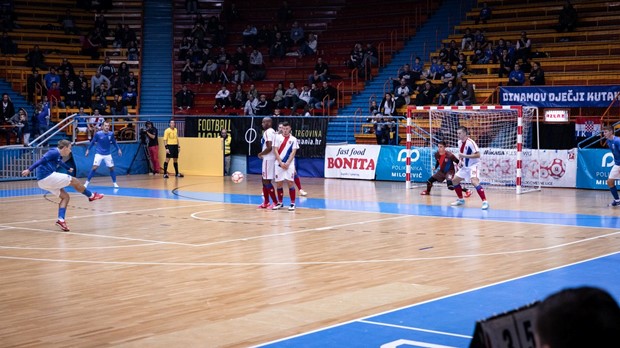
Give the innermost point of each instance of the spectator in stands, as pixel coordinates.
(42, 112)
(448, 75)
(309, 46)
(467, 42)
(21, 126)
(54, 97)
(256, 60)
(524, 48)
(250, 36)
(71, 95)
(466, 95)
(117, 107)
(436, 69)
(479, 56)
(278, 47)
(184, 98)
(129, 36)
(106, 69)
(80, 78)
(485, 14)
(416, 69)
(188, 73)
(210, 72)
(222, 99)
(226, 72)
(85, 95)
(426, 94)
(91, 44)
(506, 63)
(448, 95)
(356, 57)
(285, 13)
(31, 85)
(81, 119)
(387, 106)
(304, 99)
(578, 317)
(95, 122)
(100, 98)
(499, 49)
(567, 20)
(133, 53)
(50, 77)
(8, 109)
(453, 52)
(184, 47)
(264, 37)
(262, 107)
(35, 58)
(297, 34)
(373, 109)
(65, 78)
(130, 97)
(321, 72)
(516, 76)
(132, 81)
(278, 96)
(402, 94)
(239, 97)
(7, 46)
(480, 37)
(119, 36)
(329, 95)
(371, 56)
(96, 81)
(66, 66)
(123, 70)
(240, 74)
(444, 53)
(253, 91)
(291, 95)
(537, 75)
(68, 23)
(404, 74)
(461, 66)
(249, 109)
(117, 84)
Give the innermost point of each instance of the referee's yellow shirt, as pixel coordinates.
(171, 136)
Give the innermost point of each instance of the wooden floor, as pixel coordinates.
(193, 263)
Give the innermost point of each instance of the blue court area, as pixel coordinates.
(449, 321)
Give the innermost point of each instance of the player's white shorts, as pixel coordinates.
(285, 174)
(54, 182)
(467, 173)
(615, 172)
(109, 162)
(269, 169)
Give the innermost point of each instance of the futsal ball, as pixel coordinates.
(236, 177)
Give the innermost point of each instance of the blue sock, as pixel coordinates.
(61, 213)
(87, 193)
(113, 175)
(90, 175)
(614, 192)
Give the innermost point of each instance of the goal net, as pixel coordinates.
(504, 134)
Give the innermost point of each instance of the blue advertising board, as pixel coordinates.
(392, 163)
(559, 96)
(593, 166)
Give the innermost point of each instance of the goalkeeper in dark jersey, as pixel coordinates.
(445, 163)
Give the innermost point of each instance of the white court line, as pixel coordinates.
(433, 300)
(308, 263)
(414, 329)
(79, 248)
(103, 236)
(195, 216)
(111, 213)
(22, 200)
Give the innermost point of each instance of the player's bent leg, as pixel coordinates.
(62, 210)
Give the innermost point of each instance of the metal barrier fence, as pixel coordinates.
(13, 160)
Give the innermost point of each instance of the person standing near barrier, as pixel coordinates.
(152, 144)
(173, 148)
(226, 140)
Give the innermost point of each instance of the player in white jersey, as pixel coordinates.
(469, 157)
(269, 159)
(285, 147)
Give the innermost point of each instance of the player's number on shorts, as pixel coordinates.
(507, 338)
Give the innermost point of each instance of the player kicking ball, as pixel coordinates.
(445, 162)
(285, 146)
(613, 142)
(469, 159)
(50, 180)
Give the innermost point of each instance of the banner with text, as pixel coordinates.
(559, 96)
(351, 161)
(393, 161)
(593, 168)
(246, 132)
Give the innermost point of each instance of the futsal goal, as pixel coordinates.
(507, 137)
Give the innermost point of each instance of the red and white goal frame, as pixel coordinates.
(485, 109)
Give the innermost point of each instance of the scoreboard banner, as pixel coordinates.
(559, 96)
(246, 132)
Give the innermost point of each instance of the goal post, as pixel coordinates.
(507, 136)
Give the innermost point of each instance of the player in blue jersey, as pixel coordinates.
(613, 142)
(103, 141)
(50, 180)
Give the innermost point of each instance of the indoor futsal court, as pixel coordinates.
(192, 262)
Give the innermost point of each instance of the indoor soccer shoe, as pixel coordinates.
(265, 206)
(63, 225)
(179, 175)
(116, 185)
(458, 202)
(467, 194)
(95, 196)
(165, 176)
(424, 193)
(485, 205)
(277, 206)
(291, 207)
(614, 204)
(303, 193)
